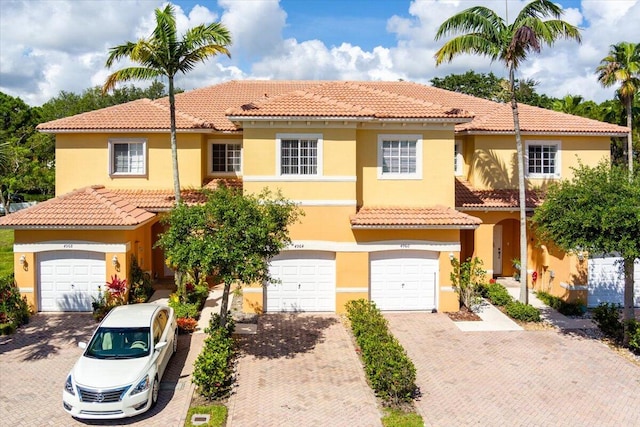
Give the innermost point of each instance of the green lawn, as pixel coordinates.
(6, 252)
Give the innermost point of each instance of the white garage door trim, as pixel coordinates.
(306, 282)
(404, 280)
(606, 281)
(68, 280)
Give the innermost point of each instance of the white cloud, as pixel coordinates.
(49, 46)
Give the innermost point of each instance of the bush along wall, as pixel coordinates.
(213, 368)
(14, 310)
(391, 373)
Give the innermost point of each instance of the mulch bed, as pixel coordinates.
(464, 315)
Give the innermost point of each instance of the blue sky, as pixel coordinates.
(47, 46)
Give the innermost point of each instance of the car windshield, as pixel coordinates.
(119, 343)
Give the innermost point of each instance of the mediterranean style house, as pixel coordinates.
(395, 179)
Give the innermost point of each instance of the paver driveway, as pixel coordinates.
(301, 370)
(522, 378)
(35, 361)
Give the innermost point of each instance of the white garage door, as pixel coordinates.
(306, 281)
(606, 281)
(404, 280)
(69, 279)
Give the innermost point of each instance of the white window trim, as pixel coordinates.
(112, 142)
(558, 165)
(210, 144)
(400, 176)
(459, 158)
(281, 136)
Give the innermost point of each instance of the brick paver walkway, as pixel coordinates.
(523, 378)
(301, 370)
(35, 361)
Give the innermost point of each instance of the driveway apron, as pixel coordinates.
(35, 361)
(301, 370)
(521, 378)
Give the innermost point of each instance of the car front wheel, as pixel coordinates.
(155, 391)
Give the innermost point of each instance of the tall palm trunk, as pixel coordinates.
(524, 294)
(174, 143)
(629, 108)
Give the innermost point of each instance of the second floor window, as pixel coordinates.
(457, 158)
(542, 160)
(299, 155)
(226, 158)
(399, 156)
(127, 157)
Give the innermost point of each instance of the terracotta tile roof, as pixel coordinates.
(347, 99)
(88, 207)
(412, 218)
(470, 198)
(209, 108)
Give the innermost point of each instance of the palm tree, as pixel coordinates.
(482, 32)
(622, 65)
(164, 54)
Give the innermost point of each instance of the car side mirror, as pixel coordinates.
(160, 345)
(82, 345)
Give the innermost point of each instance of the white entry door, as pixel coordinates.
(404, 280)
(304, 281)
(67, 280)
(497, 249)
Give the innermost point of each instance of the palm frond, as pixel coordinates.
(539, 9)
(469, 44)
(473, 20)
(128, 74)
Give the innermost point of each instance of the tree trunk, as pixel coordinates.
(174, 143)
(629, 107)
(628, 312)
(524, 294)
(224, 304)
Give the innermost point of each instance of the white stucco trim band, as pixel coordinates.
(389, 245)
(71, 245)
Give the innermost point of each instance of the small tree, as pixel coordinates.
(466, 279)
(232, 235)
(598, 211)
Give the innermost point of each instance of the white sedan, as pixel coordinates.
(119, 373)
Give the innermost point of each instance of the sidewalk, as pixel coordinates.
(547, 313)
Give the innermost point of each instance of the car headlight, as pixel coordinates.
(68, 386)
(142, 386)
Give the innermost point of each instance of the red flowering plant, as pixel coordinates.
(116, 290)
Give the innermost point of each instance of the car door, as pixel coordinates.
(160, 325)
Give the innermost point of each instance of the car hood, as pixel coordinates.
(106, 373)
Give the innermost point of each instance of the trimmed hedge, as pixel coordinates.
(213, 368)
(497, 294)
(557, 303)
(391, 373)
(523, 312)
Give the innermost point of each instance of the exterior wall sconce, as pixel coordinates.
(23, 260)
(580, 256)
(114, 260)
(451, 256)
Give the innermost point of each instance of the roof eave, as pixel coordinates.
(415, 227)
(538, 133)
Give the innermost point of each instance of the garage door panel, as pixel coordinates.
(606, 281)
(307, 282)
(403, 280)
(68, 280)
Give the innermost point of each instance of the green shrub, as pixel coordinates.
(522, 312)
(496, 293)
(213, 368)
(564, 307)
(14, 310)
(391, 373)
(634, 335)
(141, 287)
(607, 317)
(185, 309)
(466, 279)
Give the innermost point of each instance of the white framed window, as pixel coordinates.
(458, 160)
(543, 159)
(225, 157)
(299, 154)
(399, 156)
(128, 157)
